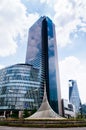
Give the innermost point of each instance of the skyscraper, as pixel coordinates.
(74, 97)
(42, 54)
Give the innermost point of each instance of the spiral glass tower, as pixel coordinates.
(42, 54)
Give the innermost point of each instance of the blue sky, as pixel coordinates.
(16, 16)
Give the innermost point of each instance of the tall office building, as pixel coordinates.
(42, 54)
(74, 97)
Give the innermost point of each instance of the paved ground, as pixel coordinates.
(17, 128)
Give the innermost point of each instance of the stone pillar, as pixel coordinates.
(4, 113)
(20, 115)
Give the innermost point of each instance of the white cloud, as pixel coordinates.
(31, 19)
(49, 2)
(11, 15)
(42, 1)
(69, 16)
(72, 68)
(14, 22)
(1, 66)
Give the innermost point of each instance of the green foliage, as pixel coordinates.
(26, 113)
(33, 111)
(14, 114)
(83, 109)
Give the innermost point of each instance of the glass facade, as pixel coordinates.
(74, 95)
(42, 54)
(19, 87)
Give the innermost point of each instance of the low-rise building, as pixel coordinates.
(68, 109)
(19, 88)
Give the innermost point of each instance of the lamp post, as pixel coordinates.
(80, 109)
(36, 97)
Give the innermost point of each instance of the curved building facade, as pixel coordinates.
(19, 87)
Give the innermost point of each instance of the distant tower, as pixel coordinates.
(42, 54)
(74, 95)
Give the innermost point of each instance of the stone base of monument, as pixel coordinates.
(45, 111)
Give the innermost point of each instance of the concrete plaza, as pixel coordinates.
(21, 128)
